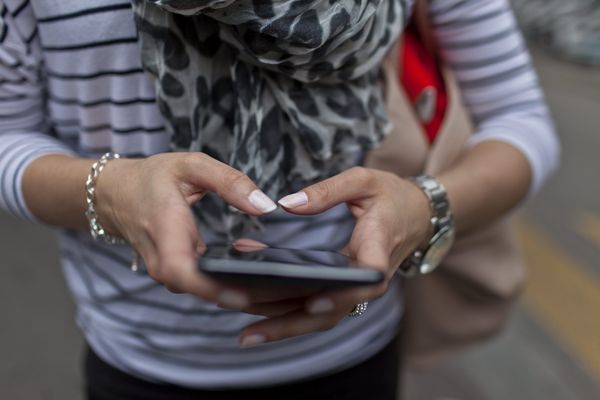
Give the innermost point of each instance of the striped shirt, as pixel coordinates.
(71, 82)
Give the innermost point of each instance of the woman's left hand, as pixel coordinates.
(392, 220)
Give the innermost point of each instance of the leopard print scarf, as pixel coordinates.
(284, 90)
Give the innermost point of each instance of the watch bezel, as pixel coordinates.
(440, 245)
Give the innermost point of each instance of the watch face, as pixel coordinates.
(442, 242)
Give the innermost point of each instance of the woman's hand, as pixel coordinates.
(393, 219)
(147, 202)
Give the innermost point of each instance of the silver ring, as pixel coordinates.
(359, 309)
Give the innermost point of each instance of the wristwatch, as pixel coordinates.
(425, 260)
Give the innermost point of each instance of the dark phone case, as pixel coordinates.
(269, 273)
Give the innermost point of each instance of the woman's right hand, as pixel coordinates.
(147, 202)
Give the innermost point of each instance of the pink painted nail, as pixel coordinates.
(253, 340)
(294, 200)
(262, 202)
(321, 306)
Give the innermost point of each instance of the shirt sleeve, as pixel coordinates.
(481, 42)
(23, 133)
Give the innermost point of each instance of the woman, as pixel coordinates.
(72, 88)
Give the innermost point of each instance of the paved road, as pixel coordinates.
(550, 351)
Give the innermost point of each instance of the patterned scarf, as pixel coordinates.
(286, 91)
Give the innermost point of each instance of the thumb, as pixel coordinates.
(369, 245)
(373, 253)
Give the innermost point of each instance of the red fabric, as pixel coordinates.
(420, 71)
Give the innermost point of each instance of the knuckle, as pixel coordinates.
(155, 273)
(323, 190)
(163, 271)
(362, 174)
(185, 162)
(146, 224)
(193, 158)
(163, 274)
(233, 177)
(366, 177)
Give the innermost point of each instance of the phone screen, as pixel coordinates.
(279, 255)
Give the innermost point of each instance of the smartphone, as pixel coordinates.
(268, 266)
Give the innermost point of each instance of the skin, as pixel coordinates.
(392, 220)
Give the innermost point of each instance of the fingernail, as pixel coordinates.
(232, 299)
(253, 340)
(262, 202)
(294, 200)
(321, 306)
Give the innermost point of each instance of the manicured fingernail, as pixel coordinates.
(262, 202)
(321, 306)
(294, 200)
(253, 340)
(232, 299)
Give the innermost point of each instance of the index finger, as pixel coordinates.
(231, 185)
(351, 185)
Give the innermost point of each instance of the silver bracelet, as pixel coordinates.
(96, 230)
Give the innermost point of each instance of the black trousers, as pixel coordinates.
(375, 379)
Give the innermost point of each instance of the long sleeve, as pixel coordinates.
(480, 41)
(23, 135)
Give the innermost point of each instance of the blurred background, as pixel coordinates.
(549, 351)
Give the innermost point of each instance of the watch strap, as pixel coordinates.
(440, 217)
(436, 193)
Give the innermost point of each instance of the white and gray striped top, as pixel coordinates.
(71, 82)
